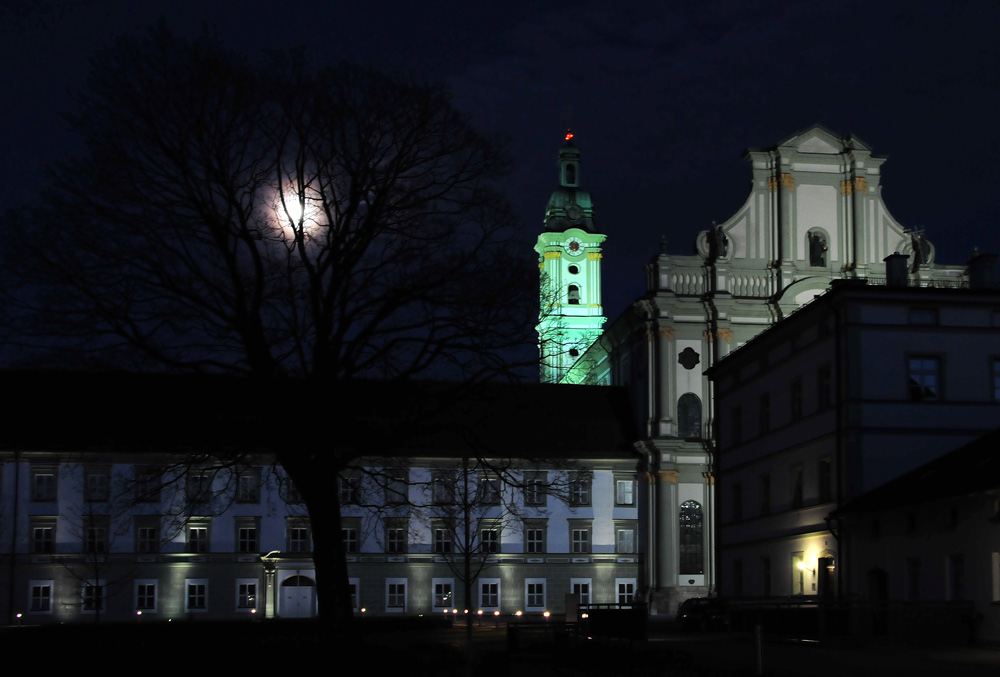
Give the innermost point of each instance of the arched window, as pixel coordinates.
(574, 295)
(689, 416)
(817, 245)
(571, 174)
(692, 549)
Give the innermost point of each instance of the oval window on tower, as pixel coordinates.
(574, 270)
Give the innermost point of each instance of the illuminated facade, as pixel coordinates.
(528, 512)
(162, 502)
(864, 385)
(814, 214)
(94, 535)
(527, 548)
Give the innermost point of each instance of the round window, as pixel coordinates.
(574, 270)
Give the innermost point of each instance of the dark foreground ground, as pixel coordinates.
(425, 647)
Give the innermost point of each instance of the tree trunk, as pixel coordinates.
(332, 583)
(312, 478)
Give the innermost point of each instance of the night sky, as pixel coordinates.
(663, 97)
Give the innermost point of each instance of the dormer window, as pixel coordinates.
(574, 295)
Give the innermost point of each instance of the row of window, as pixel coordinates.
(824, 400)
(92, 596)
(804, 576)
(923, 384)
(483, 490)
(824, 489)
(486, 539)
(925, 378)
(535, 597)
(96, 537)
(200, 484)
(915, 587)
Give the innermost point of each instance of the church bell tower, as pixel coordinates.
(569, 258)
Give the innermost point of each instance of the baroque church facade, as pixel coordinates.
(814, 214)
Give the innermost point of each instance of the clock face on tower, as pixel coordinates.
(574, 246)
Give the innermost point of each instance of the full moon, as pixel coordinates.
(296, 208)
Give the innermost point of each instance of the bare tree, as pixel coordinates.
(473, 504)
(271, 219)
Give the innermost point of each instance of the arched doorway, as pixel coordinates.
(298, 597)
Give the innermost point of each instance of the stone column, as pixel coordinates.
(666, 528)
(269, 590)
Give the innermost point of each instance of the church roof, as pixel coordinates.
(174, 413)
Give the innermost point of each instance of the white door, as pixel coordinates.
(298, 597)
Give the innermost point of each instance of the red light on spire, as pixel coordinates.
(569, 135)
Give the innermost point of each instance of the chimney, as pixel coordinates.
(895, 269)
(982, 271)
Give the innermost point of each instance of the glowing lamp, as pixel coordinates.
(546, 614)
(569, 136)
(518, 613)
(363, 609)
(496, 613)
(466, 611)
(584, 615)
(139, 612)
(479, 613)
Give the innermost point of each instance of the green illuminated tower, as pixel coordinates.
(569, 259)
